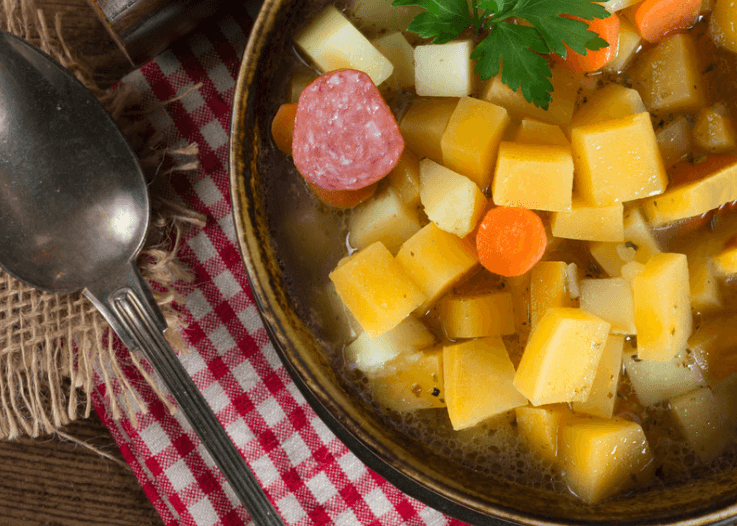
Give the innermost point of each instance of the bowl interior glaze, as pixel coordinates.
(263, 191)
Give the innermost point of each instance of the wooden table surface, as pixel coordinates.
(50, 481)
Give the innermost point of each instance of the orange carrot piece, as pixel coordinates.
(606, 28)
(657, 18)
(282, 127)
(510, 241)
(342, 198)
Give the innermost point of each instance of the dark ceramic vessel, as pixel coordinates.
(259, 175)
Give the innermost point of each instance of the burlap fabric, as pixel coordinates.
(53, 346)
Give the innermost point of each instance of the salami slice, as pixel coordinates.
(345, 135)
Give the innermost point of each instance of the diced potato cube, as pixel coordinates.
(472, 137)
(411, 382)
(384, 218)
(702, 423)
(548, 288)
(435, 260)
(531, 131)
(656, 382)
(590, 223)
(539, 426)
(382, 15)
(618, 5)
(607, 257)
(611, 300)
(629, 43)
(674, 140)
(725, 394)
(714, 131)
(370, 354)
(444, 70)
(726, 261)
(520, 287)
(617, 160)
(714, 347)
(696, 198)
(478, 381)
(402, 56)
(723, 25)
(604, 389)
(298, 82)
(405, 178)
(705, 293)
(376, 289)
(662, 299)
(561, 357)
(601, 458)
(669, 77)
(333, 42)
(610, 102)
(477, 316)
(538, 177)
(560, 110)
(639, 236)
(452, 201)
(423, 126)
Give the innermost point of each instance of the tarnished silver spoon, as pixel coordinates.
(74, 211)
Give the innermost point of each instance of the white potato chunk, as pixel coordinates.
(402, 56)
(655, 382)
(444, 70)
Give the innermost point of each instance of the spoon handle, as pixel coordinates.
(130, 310)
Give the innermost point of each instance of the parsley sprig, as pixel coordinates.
(520, 48)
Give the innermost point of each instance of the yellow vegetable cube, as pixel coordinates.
(400, 53)
(520, 287)
(712, 345)
(333, 42)
(705, 293)
(669, 77)
(723, 25)
(629, 42)
(726, 261)
(601, 458)
(674, 140)
(662, 300)
(478, 381)
(451, 200)
(531, 131)
(538, 177)
(617, 160)
(444, 70)
(298, 82)
(610, 102)
(472, 137)
(380, 15)
(477, 316)
(411, 382)
(435, 260)
(655, 382)
(376, 289)
(639, 236)
(611, 300)
(604, 389)
(561, 357)
(405, 178)
(714, 131)
(702, 422)
(607, 257)
(538, 426)
(423, 126)
(384, 218)
(548, 288)
(589, 223)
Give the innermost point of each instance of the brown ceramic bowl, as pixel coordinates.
(268, 206)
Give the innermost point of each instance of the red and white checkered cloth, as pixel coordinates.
(308, 474)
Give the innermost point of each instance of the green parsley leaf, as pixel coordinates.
(443, 21)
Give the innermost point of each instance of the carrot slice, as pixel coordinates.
(657, 18)
(510, 240)
(343, 198)
(282, 127)
(606, 28)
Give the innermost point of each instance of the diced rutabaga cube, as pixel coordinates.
(539, 177)
(655, 382)
(548, 288)
(693, 199)
(604, 389)
(531, 131)
(607, 257)
(601, 458)
(435, 260)
(539, 427)
(478, 381)
(370, 354)
(333, 42)
(376, 289)
(411, 382)
(402, 56)
(477, 316)
(451, 201)
(675, 141)
(714, 130)
(702, 422)
(617, 160)
(405, 178)
(384, 218)
(714, 347)
(520, 288)
(611, 300)
(423, 126)
(610, 102)
(629, 43)
(561, 357)
(723, 25)
(662, 300)
(444, 70)
(590, 223)
(705, 293)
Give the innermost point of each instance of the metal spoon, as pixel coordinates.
(74, 211)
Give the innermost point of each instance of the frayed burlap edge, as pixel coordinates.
(51, 345)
